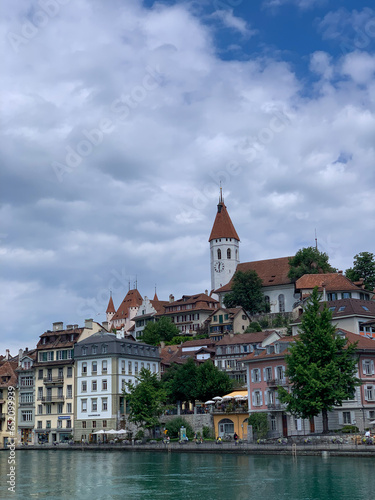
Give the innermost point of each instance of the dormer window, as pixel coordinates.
(84, 351)
(104, 349)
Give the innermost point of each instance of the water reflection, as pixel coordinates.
(66, 474)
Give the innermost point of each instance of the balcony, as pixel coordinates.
(276, 382)
(52, 399)
(26, 403)
(53, 380)
(275, 406)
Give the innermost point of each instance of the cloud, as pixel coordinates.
(136, 198)
(301, 4)
(229, 20)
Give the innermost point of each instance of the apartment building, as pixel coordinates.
(26, 396)
(54, 380)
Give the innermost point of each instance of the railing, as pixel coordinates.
(275, 406)
(276, 381)
(51, 399)
(26, 403)
(53, 380)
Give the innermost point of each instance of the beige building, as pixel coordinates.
(8, 400)
(225, 321)
(54, 381)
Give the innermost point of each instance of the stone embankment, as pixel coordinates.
(324, 449)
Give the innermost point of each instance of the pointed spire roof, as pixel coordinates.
(223, 226)
(156, 297)
(132, 299)
(111, 307)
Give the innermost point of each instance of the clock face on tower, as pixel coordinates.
(219, 266)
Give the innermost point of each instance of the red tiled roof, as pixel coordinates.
(245, 338)
(271, 271)
(223, 226)
(199, 342)
(331, 282)
(7, 370)
(158, 305)
(111, 307)
(132, 299)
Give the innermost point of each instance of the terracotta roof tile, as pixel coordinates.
(223, 226)
(331, 282)
(111, 307)
(132, 299)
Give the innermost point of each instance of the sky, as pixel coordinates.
(120, 119)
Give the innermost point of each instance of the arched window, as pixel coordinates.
(281, 303)
(219, 253)
(228, 253)
(226, 426)
(236, 254)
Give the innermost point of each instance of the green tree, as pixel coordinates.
(174, 425)
(146, 400)
(162, 330)
(246, 292)
(363, 267)
(253, 327)
(180, 382)
(309, 261)
(211, 382)
(321, 365)
(259, 421)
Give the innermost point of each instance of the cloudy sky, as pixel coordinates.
(120, 118)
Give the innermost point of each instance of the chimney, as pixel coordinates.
(20, 353)
(88, 323)
(105, 325)
(7, 354)
(69, 327)
(58, 325)
(171, 298)
(75, 326)
(206, 292)
(340, 272)
(162, 344)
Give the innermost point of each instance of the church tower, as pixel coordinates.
(224, 247)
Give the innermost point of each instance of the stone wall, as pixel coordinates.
(197, 421)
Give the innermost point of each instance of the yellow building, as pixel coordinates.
(55, 382)
(8, 401)
(231, 415)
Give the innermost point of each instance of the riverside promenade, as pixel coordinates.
(294, 449)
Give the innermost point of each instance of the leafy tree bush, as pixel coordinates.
(246, 292)
(363, 267)
(253, 327)
(162, 330)
(309, 261)
(259, 421)
(206, 432)
(174, 425)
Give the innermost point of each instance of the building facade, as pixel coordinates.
(26, 396)
(104, 364)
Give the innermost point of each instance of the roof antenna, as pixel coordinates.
(221, 194)
(316, 241)
(136, 282)
(129, 285)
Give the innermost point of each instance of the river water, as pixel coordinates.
(66, 474)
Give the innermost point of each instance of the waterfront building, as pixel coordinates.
(54, 380)
(26, 396)
(225, 321)
(8, 399)
(266, 372)
(231, 416)
(104, 364)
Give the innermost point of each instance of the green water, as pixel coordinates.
(60, 474)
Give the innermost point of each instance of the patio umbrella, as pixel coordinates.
(112, 431)
(227, 397)
(217, 398)
(100, 432)
(122, 431)
(372, 422)
(209, 402)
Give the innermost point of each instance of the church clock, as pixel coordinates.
(219, 266)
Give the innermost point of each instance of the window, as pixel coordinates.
(84, 424)
(84, 369)
(59, 424)
(59, 392)
(104, 385)
(257, 398)
(40, 409)
(228, 253)
(341, 309)
(39, 424)
(104, 349)
(27, 397)
(48, 409)
(255, 375)
(280, 373)
(94, 367)
(69, 372)
(365, 308)
(368, 367)
(94, 349)
(94, 424)
(281, 299)
(104, 424)
(40, 393)
(60, 408)
(48, 424)
(123, 367)
(26, 416)
(83, 405)
(346, 295)
(84, 386)
(69, 391)
(369, 392)
(129, 367)
(123, 382)
(68, 424)
(84, 351)
(332, 296)
(154, 368)
(40, 374)
(94, 385)
(104, 404)
(346, 417)
(219, 253)
(69, 408)
(268, 373)
(94, 404)
(273, 423)
(104, 366)
(136, 367)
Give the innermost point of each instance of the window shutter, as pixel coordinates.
(372, 367)
(264, 374)
(261, 398)
(260, 375)
(266, 398)
(341, 420)
(253, 398)
(365, 390)
(252, 375)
